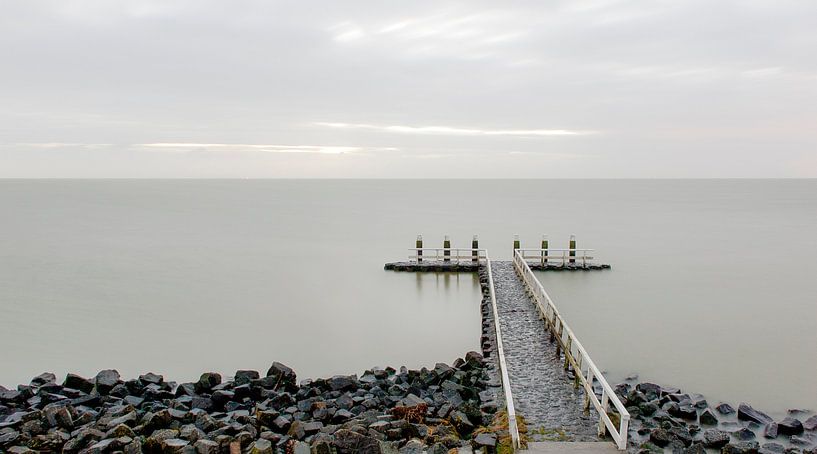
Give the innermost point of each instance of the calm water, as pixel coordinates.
(712, 289)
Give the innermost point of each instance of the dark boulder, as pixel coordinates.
(715, 439)
(283, 376)
(650, 390)
(347, 441)
(342, 382)
(660, 437)
(43, 378)
(744, 434)
(772, 448)
(811, 423)
(747, 413)
(790, 426)
(771, 430)
(207, 381)
(725, 409)
(106, 380)
(708, 418)
(243, 377)
(151, 379)
(744, 447)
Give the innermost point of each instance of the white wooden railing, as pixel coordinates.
(447, 254)
(513, 429)
(557, 256)
(577, 358)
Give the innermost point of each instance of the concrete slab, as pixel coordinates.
(578, 447)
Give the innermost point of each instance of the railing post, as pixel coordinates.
(475, 252)
(544, 249)
(515, 243)
(604, 403)
(419, 245)
(586, 394)
(447, 249)
(572, 249)
(568, 352)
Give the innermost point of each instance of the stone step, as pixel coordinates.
(587, 447)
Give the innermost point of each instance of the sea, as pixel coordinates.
(713, 285)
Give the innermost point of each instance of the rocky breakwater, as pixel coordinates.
(384, 410)
(665, 419)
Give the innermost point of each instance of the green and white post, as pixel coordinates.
(419, 246)
(572, 249)
(516, 243)
(446, 249)
(475, 251)
(544, 249)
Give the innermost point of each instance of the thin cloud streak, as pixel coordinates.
(270, 148)
(448, 130)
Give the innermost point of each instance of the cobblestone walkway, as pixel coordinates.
(543, 392)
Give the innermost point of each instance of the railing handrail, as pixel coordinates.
(619, 434)
(555, 249)
(513, 429)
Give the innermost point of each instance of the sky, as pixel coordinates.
(421, 89)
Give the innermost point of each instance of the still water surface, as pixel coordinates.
(712, 289)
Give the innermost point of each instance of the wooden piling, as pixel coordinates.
(475, 247)
(544, 249)
(419, 246)
(572, 249)
(447, 249)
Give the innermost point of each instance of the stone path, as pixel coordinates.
(543, 392)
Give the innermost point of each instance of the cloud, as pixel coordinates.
(453, 131)
(177, 147)
(62, 145)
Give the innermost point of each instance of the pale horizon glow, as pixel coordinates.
(257, 89)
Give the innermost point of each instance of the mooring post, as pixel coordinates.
(572, 249)
(446, 249)
(419, 246)
(475, 247)
(544, 249)
(515, 243)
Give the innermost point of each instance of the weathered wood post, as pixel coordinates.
(419, 246)
(516, 243)
(572, 249)
(475, 247)
(446, 249)
(544, 249)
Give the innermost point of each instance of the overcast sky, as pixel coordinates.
(590, 88)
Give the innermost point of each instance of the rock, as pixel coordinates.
(347, 441)
(484, 441)
(744, 447)
(59, 417)
(772, 448)
(771, 430)
(262, 446)
(74, 381)
(715, 439)
(243, 377)
(207, 381)
(120, 430)
(660, 437)
(151, 379)
(744, 434)
(747, 413)
(725, 409)
(682, 411)
(811, 423)
(650, 390)
(283, 376)
(708, 418)
(105, 381)
(207, 447)
(790, 426)
(43, 378)
(342, 383)
(173, 445)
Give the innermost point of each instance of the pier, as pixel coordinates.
(549, 382)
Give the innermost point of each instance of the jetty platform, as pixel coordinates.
(549, 383)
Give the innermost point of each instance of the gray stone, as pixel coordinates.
(708, 418)
(207, 447)
(810, 423)
(105, 380)
(744, 447)
(262, 446)
(790, 426)
(485, 440)
(715, 439)
(747, 413)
